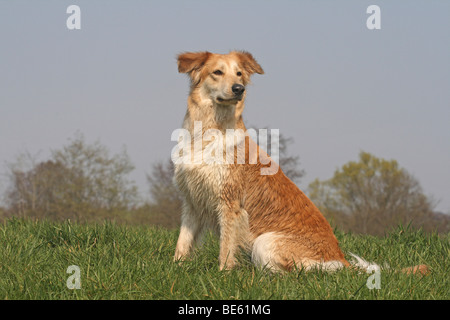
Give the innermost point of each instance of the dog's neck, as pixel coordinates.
(212, 115)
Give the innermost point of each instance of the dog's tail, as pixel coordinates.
(370, 267)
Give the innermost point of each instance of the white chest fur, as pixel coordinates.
(202, 185)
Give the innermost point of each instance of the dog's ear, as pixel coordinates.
(249, 63)
(192, 61)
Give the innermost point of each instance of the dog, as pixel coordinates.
(265, 214)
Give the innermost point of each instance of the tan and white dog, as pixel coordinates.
(266, 214)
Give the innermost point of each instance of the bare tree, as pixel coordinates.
(288, 163)
(79, 181)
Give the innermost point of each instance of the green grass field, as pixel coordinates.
(124, 262)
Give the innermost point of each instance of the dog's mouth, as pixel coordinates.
(233, 100)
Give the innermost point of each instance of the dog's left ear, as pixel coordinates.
(249, 63)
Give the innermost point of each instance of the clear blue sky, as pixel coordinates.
(331, 84)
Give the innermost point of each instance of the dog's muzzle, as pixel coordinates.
(238, 92)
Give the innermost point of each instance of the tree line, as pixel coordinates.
(85, 182)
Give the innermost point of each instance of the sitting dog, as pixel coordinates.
(266, 214)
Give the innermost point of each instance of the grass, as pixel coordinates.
(124, 262)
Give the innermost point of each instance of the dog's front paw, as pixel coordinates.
(179, 257)
(227, 264)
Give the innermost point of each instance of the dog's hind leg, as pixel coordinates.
(234, 233)
(277, 252)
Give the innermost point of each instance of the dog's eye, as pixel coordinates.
(218, 72)
(239, 74)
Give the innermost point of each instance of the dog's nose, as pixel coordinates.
(238, 89)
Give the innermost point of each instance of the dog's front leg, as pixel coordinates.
(234, 232)
(191, 227)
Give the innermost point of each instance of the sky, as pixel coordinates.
(331, 84)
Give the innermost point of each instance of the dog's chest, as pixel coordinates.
(202, 184)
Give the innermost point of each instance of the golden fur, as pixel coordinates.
(265, 214)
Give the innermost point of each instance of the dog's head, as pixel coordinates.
(219, 77)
